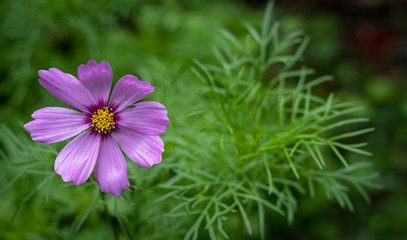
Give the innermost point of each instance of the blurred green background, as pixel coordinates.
(363, 44)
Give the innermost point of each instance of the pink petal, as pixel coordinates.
(68, 89)
(127, 91)
(97, 78)
(146, 117)
(76, 161)
(111, 167)
(144, 150)
(55, 124)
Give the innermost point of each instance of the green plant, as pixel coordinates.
(264, 138)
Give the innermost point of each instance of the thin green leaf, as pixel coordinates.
(88, 210)
(269, 176)
(352, 134)
(338, 154)
(351, 149)
(290, 162)
(268, 12)
(244, 216)
(252, 32)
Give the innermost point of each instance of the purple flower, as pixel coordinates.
(103, 125)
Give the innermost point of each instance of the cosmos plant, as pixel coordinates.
(102, 125)
(249, 140)
(271, 138)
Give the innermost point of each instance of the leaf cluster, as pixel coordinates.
(265, 138)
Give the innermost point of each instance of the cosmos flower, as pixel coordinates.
(103, 125)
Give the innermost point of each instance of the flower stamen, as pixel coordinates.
(103, 120)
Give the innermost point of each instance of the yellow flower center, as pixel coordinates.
(102, 120)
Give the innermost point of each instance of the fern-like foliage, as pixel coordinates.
(272, 139)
